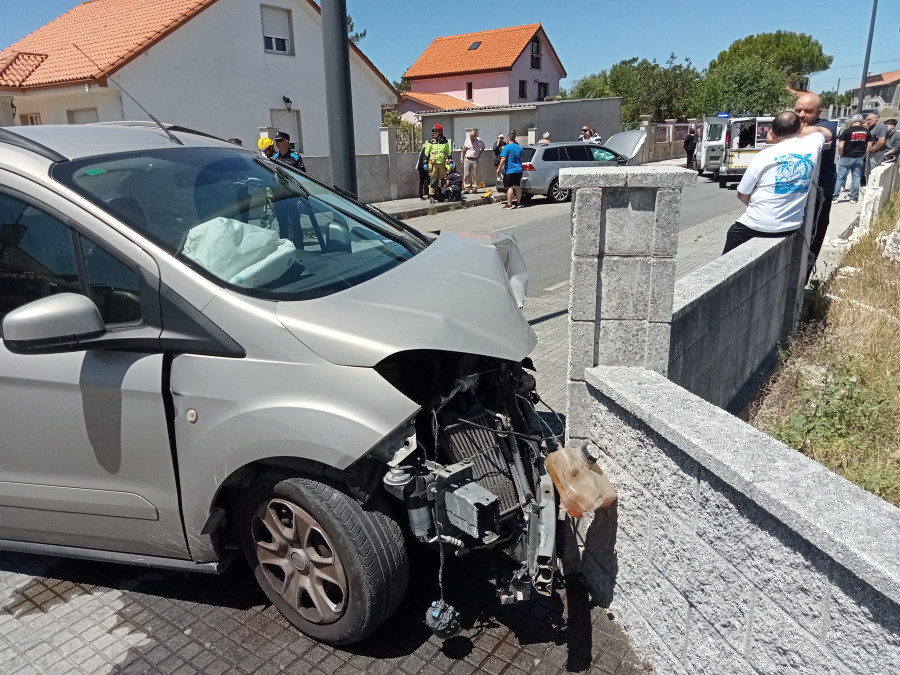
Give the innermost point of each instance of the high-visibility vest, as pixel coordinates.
(437, 152)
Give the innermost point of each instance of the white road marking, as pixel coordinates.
(556, 287)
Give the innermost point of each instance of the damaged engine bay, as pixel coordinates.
(470, 471)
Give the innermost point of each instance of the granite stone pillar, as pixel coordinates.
(624, 240)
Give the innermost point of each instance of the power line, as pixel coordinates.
(857, 65)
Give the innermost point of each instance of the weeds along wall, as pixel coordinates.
(727, 552)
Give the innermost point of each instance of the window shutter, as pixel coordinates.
(276, 23)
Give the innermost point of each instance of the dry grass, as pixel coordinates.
(837, 396)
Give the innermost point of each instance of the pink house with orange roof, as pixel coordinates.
(500, 67)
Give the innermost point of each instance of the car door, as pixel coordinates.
(85, 458)
(712, 144)
(579, 155)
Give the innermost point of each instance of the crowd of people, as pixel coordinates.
(862, 145)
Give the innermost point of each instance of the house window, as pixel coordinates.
(469, 91)
(276, 25)
(523, 88)
(543, 91)
(82, 116)
(30, 119)
(536, 54)
(474, 45)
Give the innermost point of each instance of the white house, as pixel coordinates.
(226, 67)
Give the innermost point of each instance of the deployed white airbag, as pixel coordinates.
(240, 253)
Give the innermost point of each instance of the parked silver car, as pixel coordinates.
(206, 353)
(541, 162)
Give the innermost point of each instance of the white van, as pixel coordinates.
(745, 137)
(711, 146)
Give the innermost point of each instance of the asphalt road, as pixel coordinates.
(542, 229)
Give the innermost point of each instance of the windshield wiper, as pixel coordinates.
(378, 212)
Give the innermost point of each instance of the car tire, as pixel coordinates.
(723, 182)
(333, 568)
(526, 197)
(557, 194)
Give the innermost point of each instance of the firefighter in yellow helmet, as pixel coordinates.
(437, 152)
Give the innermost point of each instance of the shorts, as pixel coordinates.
(512, 179)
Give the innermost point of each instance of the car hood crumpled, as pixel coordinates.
(463, 293)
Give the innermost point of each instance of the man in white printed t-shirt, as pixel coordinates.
(776, 185)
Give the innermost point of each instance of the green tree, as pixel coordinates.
(646, 87)
(797, 55)
(354, 37)
(833, 98)
(402, 84)
(750, 86)
(591, 86)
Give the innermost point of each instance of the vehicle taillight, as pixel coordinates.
(728, 139)
(528, 166)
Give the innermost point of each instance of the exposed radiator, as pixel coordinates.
(465, 442)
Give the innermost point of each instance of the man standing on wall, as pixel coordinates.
(808, 108)
(511, 170)
(776, 185)
(285, 155)
(471, 151)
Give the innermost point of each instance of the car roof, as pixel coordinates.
(59, 142)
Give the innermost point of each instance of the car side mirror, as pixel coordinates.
(58, 323)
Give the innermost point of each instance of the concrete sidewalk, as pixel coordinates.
(416, 208)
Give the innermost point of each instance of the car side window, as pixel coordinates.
(602, 155)
(579, 153)
(551, 155)
(40, 256)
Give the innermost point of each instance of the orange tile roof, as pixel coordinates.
(451, 55)
(881, 78)
(111, 32)
(438, 101)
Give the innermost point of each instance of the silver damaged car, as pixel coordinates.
(206, 354)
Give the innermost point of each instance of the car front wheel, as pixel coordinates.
(557, 194)
(334, 568)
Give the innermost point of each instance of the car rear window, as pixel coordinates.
(527, 154)
(550, 155)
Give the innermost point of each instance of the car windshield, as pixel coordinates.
(246, 222)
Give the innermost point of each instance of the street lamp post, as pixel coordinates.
(338, 95)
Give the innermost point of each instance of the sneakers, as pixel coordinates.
(511, 206)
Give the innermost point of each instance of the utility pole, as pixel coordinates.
(338, 94)
(865, 73)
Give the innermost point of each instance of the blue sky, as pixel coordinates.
(590, 35)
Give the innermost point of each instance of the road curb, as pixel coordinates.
(437, 207)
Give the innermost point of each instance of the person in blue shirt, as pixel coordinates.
(285, 154)
(511, 161)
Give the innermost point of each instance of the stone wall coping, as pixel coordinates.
(691, 288)
(855, 528)
(627, 176)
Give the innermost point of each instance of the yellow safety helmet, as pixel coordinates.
(265, 143)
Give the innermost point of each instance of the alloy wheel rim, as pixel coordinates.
(299, 561)
(559, 193)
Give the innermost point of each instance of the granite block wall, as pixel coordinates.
(728, 552)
